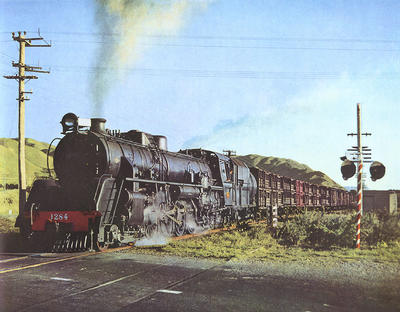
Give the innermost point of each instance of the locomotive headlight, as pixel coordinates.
(72, 123)
(69, 122)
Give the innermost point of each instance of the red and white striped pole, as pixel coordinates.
(359, 204)
(359, 177)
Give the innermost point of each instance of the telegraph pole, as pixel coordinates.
(21, 77)
(359, 156)
(359, 178)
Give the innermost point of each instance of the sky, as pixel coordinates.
(274, 78)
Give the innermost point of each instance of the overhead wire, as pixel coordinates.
(229, 74)
(228, 46)
(209, 37)
(6, 55)
(225, 46)
(198, 73)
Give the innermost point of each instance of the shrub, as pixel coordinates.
(292, 233)
(318, 230)
(387, 229)
(337, 230)
(370, 229)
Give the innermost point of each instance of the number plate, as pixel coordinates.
(59, 216)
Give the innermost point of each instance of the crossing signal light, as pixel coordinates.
(377, 170)
(348, 169)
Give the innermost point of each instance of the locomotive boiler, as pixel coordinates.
(115, 187)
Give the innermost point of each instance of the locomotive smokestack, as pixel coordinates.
(98, 125)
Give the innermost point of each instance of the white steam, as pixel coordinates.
(131, 20)
(155, 239)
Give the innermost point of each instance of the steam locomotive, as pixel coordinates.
(116, 187)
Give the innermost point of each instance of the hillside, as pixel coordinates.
(289, 168)
(36, 160)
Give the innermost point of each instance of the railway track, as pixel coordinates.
(23, 261)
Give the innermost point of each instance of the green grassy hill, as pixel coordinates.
(36, 160)
(289, 168)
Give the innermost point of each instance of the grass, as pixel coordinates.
(10, 239)
(8, 202)
(36, 160)
(36, 166)
(7, 225)
(258, 244)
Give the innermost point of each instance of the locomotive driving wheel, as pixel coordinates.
(206, 220)
(180, 225)
(150, 229)
(100, 246)
(166, 222)
(166, 226)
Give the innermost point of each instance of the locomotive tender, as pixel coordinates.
(116, 187)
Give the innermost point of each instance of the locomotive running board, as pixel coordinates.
(214, 188)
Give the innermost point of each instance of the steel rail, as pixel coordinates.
(86, 254)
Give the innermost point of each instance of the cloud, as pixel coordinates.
(222, 129)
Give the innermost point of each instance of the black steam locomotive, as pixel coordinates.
(115, 187)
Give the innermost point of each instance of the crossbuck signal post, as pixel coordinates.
(360, 154)
(21, 78)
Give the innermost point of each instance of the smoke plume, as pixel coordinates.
(123, 23)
